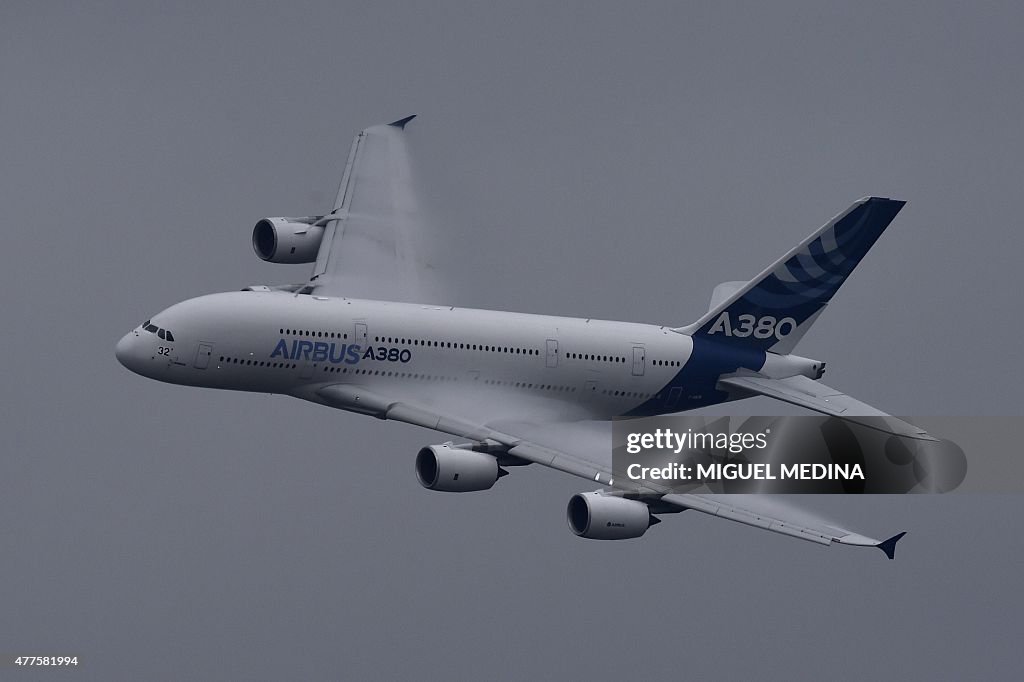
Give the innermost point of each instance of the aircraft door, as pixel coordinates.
(552, 353)
(361, 334)
(203, 353)
(639, 360)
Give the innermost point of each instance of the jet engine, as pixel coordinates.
(454, 470)
(287, 240)
(785, 366)
(606, 517)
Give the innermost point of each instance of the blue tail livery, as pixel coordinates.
(775, 309)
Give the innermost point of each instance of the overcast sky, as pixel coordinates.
(601, 160)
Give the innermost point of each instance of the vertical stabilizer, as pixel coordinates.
(775, 309)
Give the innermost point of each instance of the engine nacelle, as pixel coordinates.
(454, 470)
(785, 366)
(606, 517)
(287, 240)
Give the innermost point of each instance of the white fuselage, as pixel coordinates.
(278, 342)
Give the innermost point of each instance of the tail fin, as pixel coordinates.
(776, 308)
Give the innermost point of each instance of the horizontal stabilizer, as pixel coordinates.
(723, 292)
(816, 396)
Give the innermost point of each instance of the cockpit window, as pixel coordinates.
(159, 331)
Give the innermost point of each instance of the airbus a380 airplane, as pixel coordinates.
(517, 388)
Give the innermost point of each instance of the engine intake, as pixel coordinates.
(454, 470)
(287, 240)
(606, 517)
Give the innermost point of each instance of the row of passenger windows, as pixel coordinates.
(596, 358)
(414, 342)
(430, 377)
(616, 358)
(626, 394)
(164, 334)
(310, 333)
(257, 363)
(387, 373)
(455, 345)
(523, 384)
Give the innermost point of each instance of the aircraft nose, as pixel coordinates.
(123, 351)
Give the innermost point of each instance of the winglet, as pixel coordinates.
(889, 546)
(400, 123)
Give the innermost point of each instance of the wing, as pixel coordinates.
(584, 449)
(816, 396)
(373, 237)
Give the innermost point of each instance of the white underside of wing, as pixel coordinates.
(584, 449)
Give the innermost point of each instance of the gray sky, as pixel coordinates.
(610, 161)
